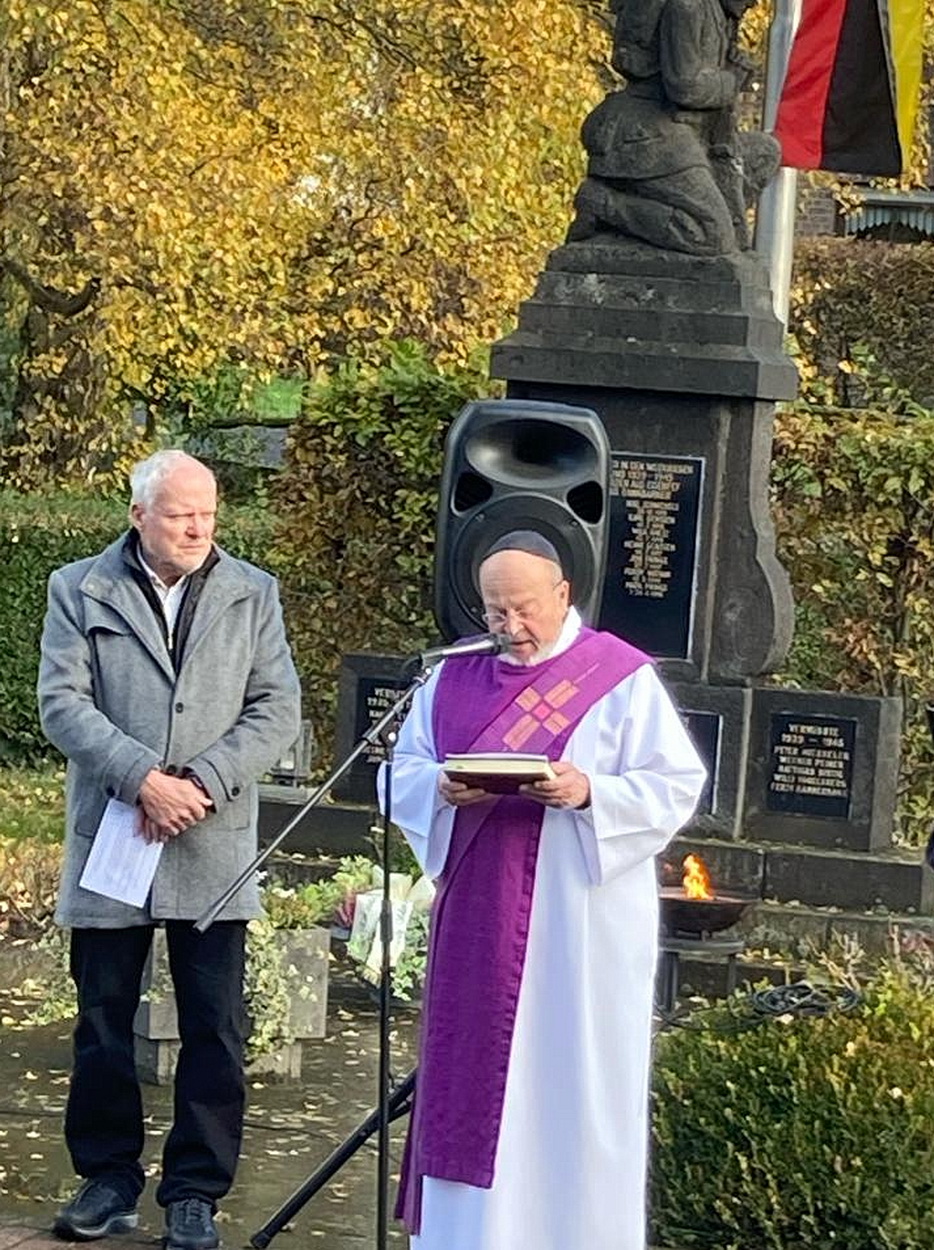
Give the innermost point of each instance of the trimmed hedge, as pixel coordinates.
(852, 495)
(39, 533)
(798, 1133)
(850, 294)
(356, 509)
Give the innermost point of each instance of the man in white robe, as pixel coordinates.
(556, 1077)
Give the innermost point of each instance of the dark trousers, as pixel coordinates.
(104, 1116)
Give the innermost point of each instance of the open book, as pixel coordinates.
(498, 772)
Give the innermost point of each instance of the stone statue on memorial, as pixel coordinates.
(666, 162)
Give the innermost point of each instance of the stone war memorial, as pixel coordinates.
(656, 314)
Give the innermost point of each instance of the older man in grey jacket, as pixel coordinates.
(167, 682)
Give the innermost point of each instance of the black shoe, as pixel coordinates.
(189, 1225)
(96, 1210)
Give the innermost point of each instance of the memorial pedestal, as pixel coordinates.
(682, 358)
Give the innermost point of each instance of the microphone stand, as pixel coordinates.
(400, 1102)
(384, 732)
(385, 995)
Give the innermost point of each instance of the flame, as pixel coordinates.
(696, 879)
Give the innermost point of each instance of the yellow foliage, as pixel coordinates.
(267, 181)
(29, 871)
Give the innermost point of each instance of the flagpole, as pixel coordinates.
(775, 214)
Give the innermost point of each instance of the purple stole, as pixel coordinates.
(480, 916)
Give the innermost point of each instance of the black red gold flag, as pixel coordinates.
(851, 91)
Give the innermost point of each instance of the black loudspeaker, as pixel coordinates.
(514, 464)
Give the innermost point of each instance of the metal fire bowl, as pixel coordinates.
(681, 914)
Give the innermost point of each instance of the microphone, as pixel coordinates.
(486, 644)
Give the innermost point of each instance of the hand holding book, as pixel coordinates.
(497, 773)
(558, 784)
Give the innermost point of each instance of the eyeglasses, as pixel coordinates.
(497, 617)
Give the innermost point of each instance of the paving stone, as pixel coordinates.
(291, 1128)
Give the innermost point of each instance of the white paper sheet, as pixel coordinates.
(121, 864)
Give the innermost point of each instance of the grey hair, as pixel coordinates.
(147, 476)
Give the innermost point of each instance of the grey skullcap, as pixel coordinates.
(529, 541)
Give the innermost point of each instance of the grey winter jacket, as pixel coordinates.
(112, 703)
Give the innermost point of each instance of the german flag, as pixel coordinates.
(850, 96)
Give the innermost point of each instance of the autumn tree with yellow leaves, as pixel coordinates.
(198, 188)
(190, 186)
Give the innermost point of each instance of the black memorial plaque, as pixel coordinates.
(810, 767)
(654, 512)
(369, 685)
(705, 730)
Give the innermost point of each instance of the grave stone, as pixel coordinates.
(821, 768)
(305, 955)
(369, 684)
